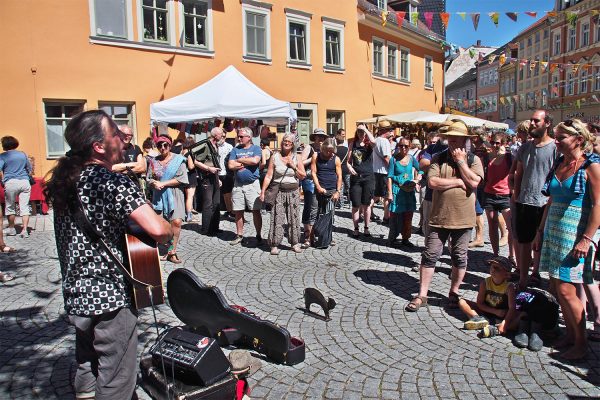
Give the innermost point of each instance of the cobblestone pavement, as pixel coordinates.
(371, 348)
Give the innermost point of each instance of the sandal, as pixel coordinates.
(416, 303)
(356, 232)
(7, 249)
(274, 251)
(366, 232)
(453, 299)
(305, 245)
(297, 248)
(4, 277)
(172, 257)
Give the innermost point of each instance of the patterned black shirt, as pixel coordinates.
(92, 284)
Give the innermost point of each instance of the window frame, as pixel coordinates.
(300, 20)
(131, 121)
(402, 50)
(570, 84)
(128, 21)
(430, 84)
(64, 121)
(387, 55)
(250, 8)
(383, 71)
(341, 124)
(571, 38)
(339, 28)
(171, 40)
(585, 35)
(556, 43)
(209, 29)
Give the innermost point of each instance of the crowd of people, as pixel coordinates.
(539, 190)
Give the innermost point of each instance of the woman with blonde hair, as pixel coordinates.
(569, 228)
(285, 171)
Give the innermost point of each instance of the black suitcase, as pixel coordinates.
(154, 383)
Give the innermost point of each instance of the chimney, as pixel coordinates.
(479, 43)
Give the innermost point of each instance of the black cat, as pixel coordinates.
(314, 296)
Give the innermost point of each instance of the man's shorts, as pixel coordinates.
(434, 246)
(527, 221)
(380, 185)
(496, 202)
(246, 197)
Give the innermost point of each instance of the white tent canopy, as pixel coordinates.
(435, 118)
(228, 95)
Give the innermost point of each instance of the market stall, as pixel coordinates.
(428, 117)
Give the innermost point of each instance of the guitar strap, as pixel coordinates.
(96, 237)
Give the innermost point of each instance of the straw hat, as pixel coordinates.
(317, 131)
(242, 362)
(457, 128)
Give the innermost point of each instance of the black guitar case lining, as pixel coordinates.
(204, 309)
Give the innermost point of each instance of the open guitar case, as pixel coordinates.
(204, 310)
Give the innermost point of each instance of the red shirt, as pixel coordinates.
(497, 176)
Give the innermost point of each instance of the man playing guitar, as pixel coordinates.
(96, 294)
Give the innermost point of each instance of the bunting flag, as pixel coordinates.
(463, 15)
(445, 17)
(471, 52)
(532, 66)
(544, 65)
(575, 68)
(516, 97)
(594, 13)
(492, 58)
(552, 14)
(578, 103)
(502, 59)
(384, 15)
(414, 18)
(555, 90)
(512, 15)
(480, 57)
(400, 15)
(494, 17)
(428, 19)
(478, 102)
(466, 103)
(531, 13)
(572, 17)
(553, 67)
(502, 100)
(475, 19)
(510, 100)
(595, 98)
(513, 46)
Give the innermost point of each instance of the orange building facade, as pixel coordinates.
(333, 60)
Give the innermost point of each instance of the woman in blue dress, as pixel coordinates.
(403, 173)
(568, 232)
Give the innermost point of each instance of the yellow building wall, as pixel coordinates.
(47, 55)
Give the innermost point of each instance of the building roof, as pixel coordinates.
(464, 79)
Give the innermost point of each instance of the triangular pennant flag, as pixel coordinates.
(510, 100)
(572, 17)
(466, 103)
(532, 65)
(589, 67)
(575, 68)
(475, 19)
(445, 17)
(480, 57)
(502, 59)
(544, 65)
(555, 90)
(463, 15)
(414, 17)
(512, 15)
(552, 14)
(513, 46)
(583, 100)
(578, 103)
(595, 98)
(531, 13)
(428, 19)
(595, 12)
(384, 15)
(553, 67)
(502, 100)
(491, 58)
(478, 102)
(516, 97)
(471, 52)
(400, 15)
(494, 16)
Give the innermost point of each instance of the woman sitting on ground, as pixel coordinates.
(284, 170)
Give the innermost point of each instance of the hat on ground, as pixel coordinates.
(457, 128)
(318, 131)
(242, 362)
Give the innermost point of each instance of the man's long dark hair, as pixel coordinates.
(81, 133)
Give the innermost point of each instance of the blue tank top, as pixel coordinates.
(326, 173)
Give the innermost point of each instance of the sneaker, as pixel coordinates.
(475, 323)
(237, 240)
(535, 342)
(10, 232)
(375, 218)
(25, 234)
(521, 340)
(259, 240)
(407, 243)
(488, 332)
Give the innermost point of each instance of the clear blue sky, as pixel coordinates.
(462, 32)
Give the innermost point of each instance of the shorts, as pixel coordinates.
(246, 197)
(227, 183)
(361, 190)
(380, 185)
(192, 179)
(479, 201)
(496, 202)
(17, 189)
(434, 246)
(527, 221)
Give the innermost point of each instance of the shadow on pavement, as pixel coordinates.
(399, 283)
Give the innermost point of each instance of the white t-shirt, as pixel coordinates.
(223, 151)
(381, 150)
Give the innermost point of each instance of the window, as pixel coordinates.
(537, 37)
(256, 32)
(110, 18)
(428, 71)
(297, 42)
(121, 113)
(334, 46)
(529, 41)
(405, 64)
(546, 33)
(154, 16)
(195, 23)
(57, 115)
(597, 30)
(377, 57)
(335, 121)
(557, 44)
(555, 92)
(597, 79)
(392, 69)
(382, 4)
(570, 84)
(583, 81)
(585, 34)
(572, 38)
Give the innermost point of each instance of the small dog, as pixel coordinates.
(313, 296)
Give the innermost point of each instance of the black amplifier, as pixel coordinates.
(189, 357)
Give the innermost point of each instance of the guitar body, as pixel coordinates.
(144, 265)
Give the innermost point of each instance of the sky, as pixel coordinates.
(462, 32)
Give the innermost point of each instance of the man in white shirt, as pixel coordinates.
(382, 152)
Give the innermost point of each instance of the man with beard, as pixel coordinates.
(534, 160)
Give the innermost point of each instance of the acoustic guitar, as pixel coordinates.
(144, 267)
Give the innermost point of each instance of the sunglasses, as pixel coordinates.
(163, 145)
(496, 143)
(569, 123)
(402, 146)
(535, 120)
(242, 136)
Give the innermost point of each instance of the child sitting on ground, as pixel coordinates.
(496, 296)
